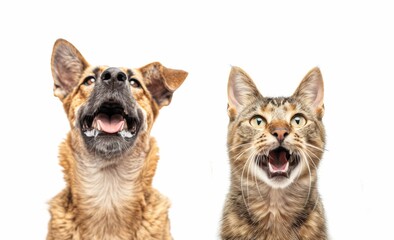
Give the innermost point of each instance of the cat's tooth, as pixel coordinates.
(270, 167)
(273, 171)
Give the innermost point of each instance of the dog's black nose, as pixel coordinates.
(113, 74)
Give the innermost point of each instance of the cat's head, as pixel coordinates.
(279, 140)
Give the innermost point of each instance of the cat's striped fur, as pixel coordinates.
(275, 146)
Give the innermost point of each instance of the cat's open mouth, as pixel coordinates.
(278, 163)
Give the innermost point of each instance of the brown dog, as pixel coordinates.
(109, 158)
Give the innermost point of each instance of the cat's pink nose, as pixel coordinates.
(280, 134)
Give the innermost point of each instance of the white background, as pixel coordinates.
(276, 42)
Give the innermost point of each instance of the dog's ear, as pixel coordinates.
(67, 65)
(162, 82)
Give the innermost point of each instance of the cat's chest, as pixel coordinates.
(271, 221)
(276, 207)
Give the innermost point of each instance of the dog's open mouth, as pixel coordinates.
(278, 163)
(110, 119)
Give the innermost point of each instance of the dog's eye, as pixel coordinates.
(89, 81)
(134, 83)
(298, 121)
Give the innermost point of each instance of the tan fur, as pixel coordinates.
(257, 207)
(109, 198)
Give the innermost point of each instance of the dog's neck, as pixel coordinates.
(112, 197)
(106, 188)
(108, 199)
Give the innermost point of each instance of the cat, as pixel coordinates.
(275, 145)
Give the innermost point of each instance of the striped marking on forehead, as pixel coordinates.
(278, 107)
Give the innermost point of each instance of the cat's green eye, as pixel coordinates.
(257, 122)
(298, 121)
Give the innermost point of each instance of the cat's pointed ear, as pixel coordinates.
(67, 65)
(241, 91)
(311, 91)
(162, 81)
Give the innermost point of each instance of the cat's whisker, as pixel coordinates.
(305, 159)
(308, 152)
(249, 165)
(243, 152)
(238, 157)
(255, 166)
(304, 147)
(245, 166)
(299, 172)
(315, 147)
(317, 196)
(238, 146)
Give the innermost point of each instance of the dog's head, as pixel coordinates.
(110, 109)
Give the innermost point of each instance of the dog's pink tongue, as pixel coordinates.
(111, 124)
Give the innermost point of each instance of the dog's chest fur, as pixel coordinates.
(105, 189)
(110, 203)
(103, 203)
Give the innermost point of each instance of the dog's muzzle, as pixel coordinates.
(111, 119)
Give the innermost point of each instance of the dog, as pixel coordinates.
(109, 157)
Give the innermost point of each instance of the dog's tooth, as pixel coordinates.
(89, 133)
(126, 134)
(125, 125)
(134, 128)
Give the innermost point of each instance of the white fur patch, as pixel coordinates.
(283, 183)
(105, 188)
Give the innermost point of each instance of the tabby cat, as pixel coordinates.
(275, 146)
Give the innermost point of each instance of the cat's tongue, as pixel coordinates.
(110, 124)
(278, 160)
